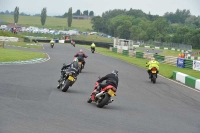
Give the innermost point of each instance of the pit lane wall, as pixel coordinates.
(186, 79)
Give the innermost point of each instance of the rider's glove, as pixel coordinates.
(97, 84)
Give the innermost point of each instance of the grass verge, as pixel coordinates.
(169, 53)
(94, 38)
(165, 69)
(25, 44)
(7, 55)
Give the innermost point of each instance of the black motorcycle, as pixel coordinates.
(92, 49)
(51, 44)
(153, 74)
(68, 79)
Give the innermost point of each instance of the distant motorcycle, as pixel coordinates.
(68, 79)
(92, 50)
(73, 43)
(104, 96)
(52, 45)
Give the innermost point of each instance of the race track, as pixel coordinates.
(31, 103)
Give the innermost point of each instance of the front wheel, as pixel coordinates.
(80, 69)
(89, 100)
(104, 101)
(65, 86)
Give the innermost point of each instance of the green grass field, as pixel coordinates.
(94, 38)
(7, 55)
(51, 22)
(165, 69)
(25, 44)
(170, 53)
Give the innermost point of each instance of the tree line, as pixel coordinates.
(78, 13)
(179, 27)
(43, 15)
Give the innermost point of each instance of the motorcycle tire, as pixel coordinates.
(79, 70)
(154, 78)
(65, 87)
(89, 100)
(104, 101)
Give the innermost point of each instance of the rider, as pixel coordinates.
(93, 46)
(52, 41)
(111, 79)
(73, 66)
(152, 63)
(81, 55)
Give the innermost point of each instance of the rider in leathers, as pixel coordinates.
(73, 66)
(152, 63)
(111, 79)
(81, 55)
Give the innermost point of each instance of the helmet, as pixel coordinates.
(152, 58)
(115, 72)
(81, 50)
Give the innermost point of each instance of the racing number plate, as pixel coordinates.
(153, 71)
(111, 93)
(79, 63)
(71, 78)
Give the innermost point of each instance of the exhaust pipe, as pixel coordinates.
(111, 100)
(99, 94)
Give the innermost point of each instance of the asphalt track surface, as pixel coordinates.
(31, 103)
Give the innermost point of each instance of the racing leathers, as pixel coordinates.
(111, 79)
(80, 56)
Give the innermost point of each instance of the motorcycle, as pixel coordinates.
(92, 50)
(80, 66)
(103, 97)
(153, 74)
(68, 80)
(73, 43)
(51, 44)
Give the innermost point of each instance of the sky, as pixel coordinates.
(59, 7)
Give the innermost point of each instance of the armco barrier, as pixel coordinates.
(125, 52)
(186, 79)
(139, 55)
(188, 64)
(159, 58)
(114, 50)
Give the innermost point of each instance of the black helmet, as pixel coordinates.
(115, 72)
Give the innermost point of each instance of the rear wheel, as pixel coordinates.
(104, 101)
(154, 78)
(65, 86)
